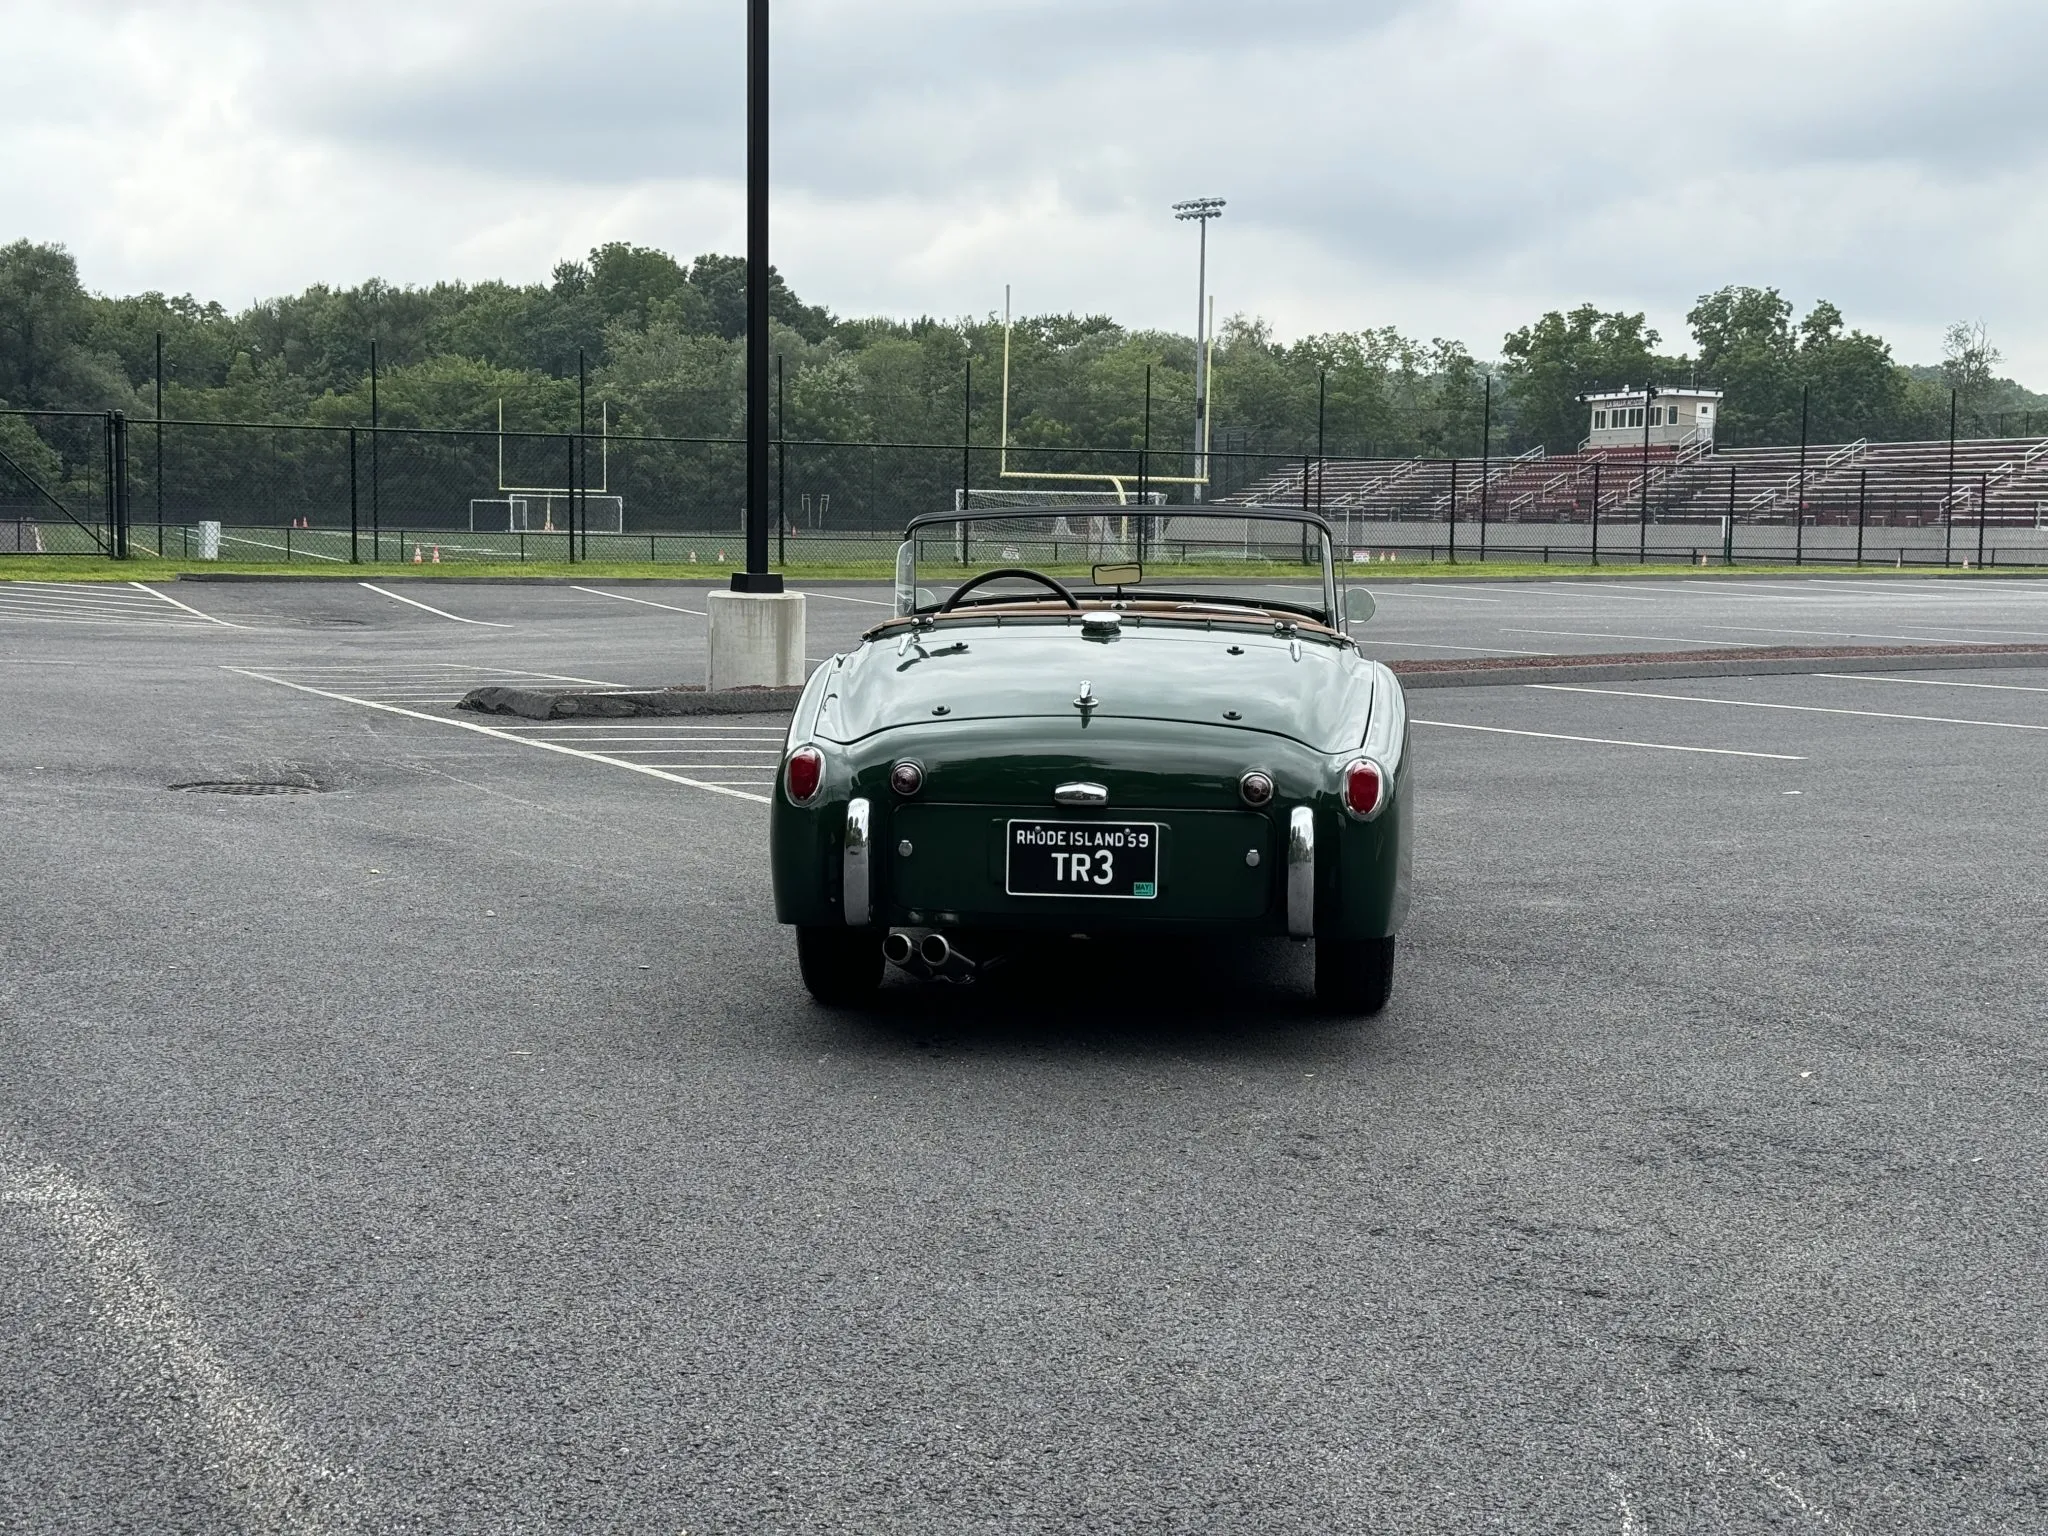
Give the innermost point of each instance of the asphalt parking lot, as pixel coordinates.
(451, 1147)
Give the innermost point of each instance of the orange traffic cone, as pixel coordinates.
(415, 554)
(437, 554)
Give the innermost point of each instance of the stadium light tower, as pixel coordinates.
(1201, 210)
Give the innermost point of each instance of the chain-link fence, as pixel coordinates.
(93, 483)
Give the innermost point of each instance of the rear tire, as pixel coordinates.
(840, 965)
(1354, 976)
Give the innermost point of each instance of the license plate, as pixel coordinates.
(1084, 858)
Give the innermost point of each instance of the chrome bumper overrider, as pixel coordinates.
(1301, 873)
(856, 885)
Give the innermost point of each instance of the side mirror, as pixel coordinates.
(1358, 605)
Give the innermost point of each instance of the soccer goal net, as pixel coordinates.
(547, 512)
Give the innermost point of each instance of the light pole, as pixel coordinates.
(757, 577)
(754, 634)
(1201, 210)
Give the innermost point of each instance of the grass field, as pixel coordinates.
(142, 568)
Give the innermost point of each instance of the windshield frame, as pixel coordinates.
(1330, 613)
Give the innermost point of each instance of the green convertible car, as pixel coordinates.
(1090, 735)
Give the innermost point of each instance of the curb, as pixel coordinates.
(554, 704)
(1492, 672)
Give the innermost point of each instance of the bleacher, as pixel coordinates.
(1892, 484)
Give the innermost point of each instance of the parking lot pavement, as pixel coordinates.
(452, 1147)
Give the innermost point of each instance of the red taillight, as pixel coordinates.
(804, 773)
(1363, 787)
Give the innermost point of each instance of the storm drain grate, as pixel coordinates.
(246, 787)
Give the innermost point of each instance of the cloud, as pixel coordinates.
(1452, 167)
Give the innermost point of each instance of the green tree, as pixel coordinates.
(44, 313)
(1747, 350)
(1855, 389)
(1549, 364)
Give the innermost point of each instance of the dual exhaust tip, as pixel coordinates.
(932, 957)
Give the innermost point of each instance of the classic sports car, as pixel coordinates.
(1127, 751)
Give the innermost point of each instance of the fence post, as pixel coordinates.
(355, 552)
(1983, 508)
(1862, 508)
(117, 483)
(1596, 511)
(1728, 532)
(781, 476)
(160, 444)
(1799, 511)
(1451, 514)
(571, 483)
(1485, 464)
(376, 504)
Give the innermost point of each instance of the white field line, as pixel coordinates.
(1598, 634)
(642, 601)
(288, 550)
(1928, 682)
(1607, 741)
(491, 730)
(179, 1378)
(841, 597)
(152, 591)
(438, 613)
(1804, 709)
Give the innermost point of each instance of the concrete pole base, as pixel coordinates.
(756, 641)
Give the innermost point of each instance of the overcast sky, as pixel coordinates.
(1448, 168)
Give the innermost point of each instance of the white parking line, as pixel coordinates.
(642, 601)
(438, 613)
(840, 597)
(491, 730)
(1440, 597)
(1607, 741)
(1804, 709)
(152, 591)
(34, 617)
(1842, 634)
(1428, 645)
(179, 1378)
(1928, 682)
(1599, 634)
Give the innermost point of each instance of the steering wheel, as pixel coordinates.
(987, 576)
